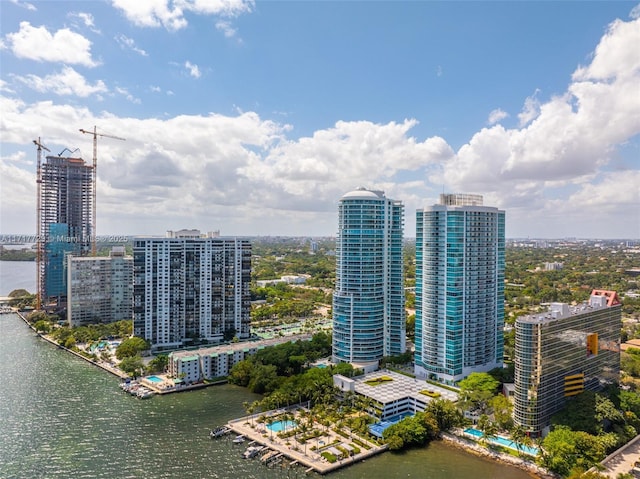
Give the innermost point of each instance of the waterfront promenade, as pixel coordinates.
(622, 461)
(308, 454)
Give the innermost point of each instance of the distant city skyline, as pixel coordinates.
(255, 117)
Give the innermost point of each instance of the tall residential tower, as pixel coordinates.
(188, 287)
(65, 222)
(368, 301)
(459, 288)
(561, 353)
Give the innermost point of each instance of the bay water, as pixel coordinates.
(61, 417)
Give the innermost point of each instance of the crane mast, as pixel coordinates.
(39, 233)
(95, 178)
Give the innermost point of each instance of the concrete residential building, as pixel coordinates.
(191, 287)
(560, 353)
(217, 361)
(100, 288)
(368, 300)
(459, 288)
(65, 222)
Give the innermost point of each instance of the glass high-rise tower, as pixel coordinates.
(368, 301)
(65, 224)
(459, 288)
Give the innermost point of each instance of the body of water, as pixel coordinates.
(61, 417)
(17, 275)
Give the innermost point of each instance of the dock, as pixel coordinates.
(310, 456)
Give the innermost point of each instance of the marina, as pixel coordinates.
(325, 453)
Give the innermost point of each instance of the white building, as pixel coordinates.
(99, 289)
(392, 394)
(188, 287)
(217, 361)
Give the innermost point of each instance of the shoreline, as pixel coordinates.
(476, 449)
(469, 447)
(113, 371)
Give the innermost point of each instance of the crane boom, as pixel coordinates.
(95, 177)
(41, 147)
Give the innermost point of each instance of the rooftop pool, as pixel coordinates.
(503, 441)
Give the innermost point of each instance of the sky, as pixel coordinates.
(254, 118)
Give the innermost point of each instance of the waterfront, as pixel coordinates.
(17, 275)
(61, 417)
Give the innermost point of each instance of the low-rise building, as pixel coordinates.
(561, 353)
(391, 394)
(217, 361)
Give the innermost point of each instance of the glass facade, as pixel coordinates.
(368, 301)
(561, 353)
(459, 288)
(65, 226)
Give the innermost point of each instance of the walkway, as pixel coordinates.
(622, 460)
(297, 452)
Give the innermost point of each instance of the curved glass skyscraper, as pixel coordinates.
(368, 301)
(459, 288)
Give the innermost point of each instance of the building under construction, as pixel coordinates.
(65, 222)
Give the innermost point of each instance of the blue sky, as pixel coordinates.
(254, 118)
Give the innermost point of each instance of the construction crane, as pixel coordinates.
(95, 177)
(39, 238)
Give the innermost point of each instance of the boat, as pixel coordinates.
(252, 451)
(219, 432)
(238, 439)
(144, 393)
(269, 456)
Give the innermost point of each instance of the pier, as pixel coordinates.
(308, 456)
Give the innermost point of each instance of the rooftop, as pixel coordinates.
(400, 387)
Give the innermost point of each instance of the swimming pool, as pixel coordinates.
(154, 379)
(503, 441)
(278, 426)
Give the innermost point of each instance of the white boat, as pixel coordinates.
(252, 451)
(145, 394)
(219, 431)
(238, 439)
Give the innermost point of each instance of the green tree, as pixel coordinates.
(131, 347)
(476, 390)
(158, 364)
(446, 413)
(42, 326)
(502, 408)
(132, 365)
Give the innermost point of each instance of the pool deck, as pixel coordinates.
(308, 458)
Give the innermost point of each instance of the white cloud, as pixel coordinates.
(530, 110)
(497, 115)
(226, 28)
(572, 135)
(86, 19)
(126, 42)
(36, 43)
(249, 175)
(170, 14)
(27, 5)
(193, 69)
(67, 82)
(4, 87)
(124, 92)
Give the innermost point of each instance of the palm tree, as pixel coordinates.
(270, 421)
(488, 428)
(518, 434)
